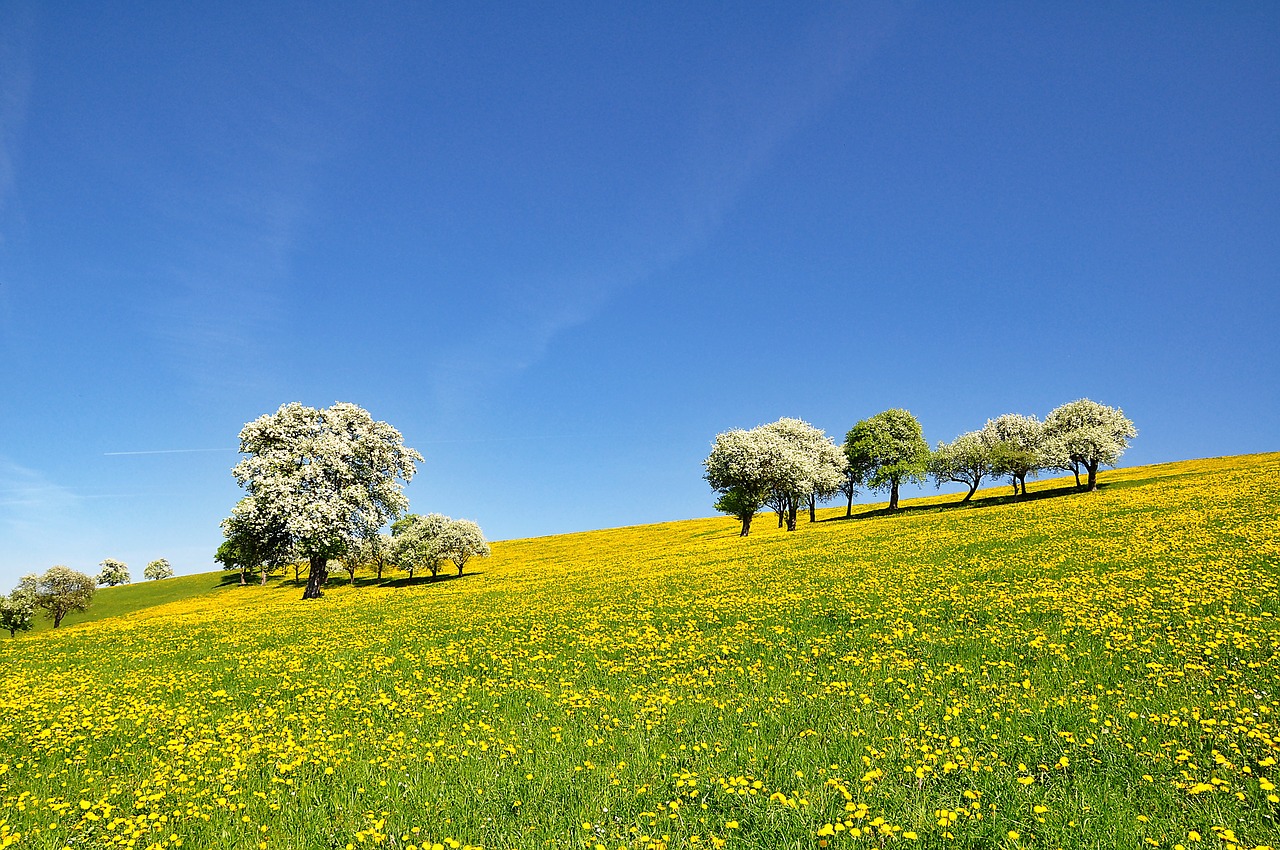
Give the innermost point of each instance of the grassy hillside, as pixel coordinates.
(1072, 670)
(125, 599)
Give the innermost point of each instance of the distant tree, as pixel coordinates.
(965, 460)
(378, 551)
(887, 450)
(416, 542)
(253, 544)
(460, 541)
(783, 464)
(60, 591)
(1017, 447)
(158, 569)
(17, 610)
(329, 478)
(113, 572)
(1088, 435)
(813, 471)
(741, 503)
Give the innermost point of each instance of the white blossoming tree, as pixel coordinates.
(416, 543)
(113, 572)
(460, 541)
(158, 569)
(1087, 434)
(887, 450)
(1018, 447)
(61, 590)
(783, 464)
(965, 460)
(17, 610)
(325, 478)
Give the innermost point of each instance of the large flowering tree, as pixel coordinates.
(783, 464)
(326, 479)
(1087, 434)
(1017, 447)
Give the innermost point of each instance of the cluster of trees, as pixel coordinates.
(789, 463)
(117, 572)
(58, 591)
(321, 484)
(61, 590)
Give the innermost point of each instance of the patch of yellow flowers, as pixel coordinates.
(1075, 669)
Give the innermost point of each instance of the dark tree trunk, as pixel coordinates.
(848, 511)
(791, 517)
(746, 525)
(1076, 469)
(813, 513)
(782, 517)
(893, 496)
(973, 488)
(1022, 480)
(460, 566)
(296, 575)
(1093, 476)
(316, 577)
(379, 570)
(57, 618)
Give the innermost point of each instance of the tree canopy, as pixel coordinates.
(324, 479)
(158, 569)
(887, 450)
(61, 590)
(113, 572)
(1089, 434)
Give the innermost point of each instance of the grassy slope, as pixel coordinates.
(125, 599)
(1073, 670)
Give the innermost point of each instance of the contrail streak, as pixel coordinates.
(164, 452)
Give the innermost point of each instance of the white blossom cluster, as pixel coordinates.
(158, 569)
(426, 542)
(113, 572)
(782, 464)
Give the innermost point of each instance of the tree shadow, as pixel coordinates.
(417, 581)
(985, 501)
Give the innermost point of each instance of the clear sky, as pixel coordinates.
(561, 246)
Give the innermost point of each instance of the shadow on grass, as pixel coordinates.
(983, 502)
(401, 581)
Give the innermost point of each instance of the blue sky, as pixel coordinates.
(561, 246)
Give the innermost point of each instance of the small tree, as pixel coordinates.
(17, 610)
(887, 450)
(416, 542)
(253, 544)
(158, 569)
(1017, 447)
(1087, 434)
(113, 572)
(460, 541)
(742, 503)
(965, 460)
(62, 590)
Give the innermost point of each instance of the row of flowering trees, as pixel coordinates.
(789, 464)
(321, 484)
(61, 590)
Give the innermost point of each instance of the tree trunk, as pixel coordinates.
(893, 496)
(264, 576)
(973, 488)
(791, 517)
(57, 618)
(1093, 476)
(460, 567)
(813, 515)
(746, 525)
(316, 577)
(1022, 480)
(242, 579)
(848, 511)
(1075, 467)
(379, 569)
(296, 575)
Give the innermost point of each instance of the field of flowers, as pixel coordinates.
(1074, 670)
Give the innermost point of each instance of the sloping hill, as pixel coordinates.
(1072, 670)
